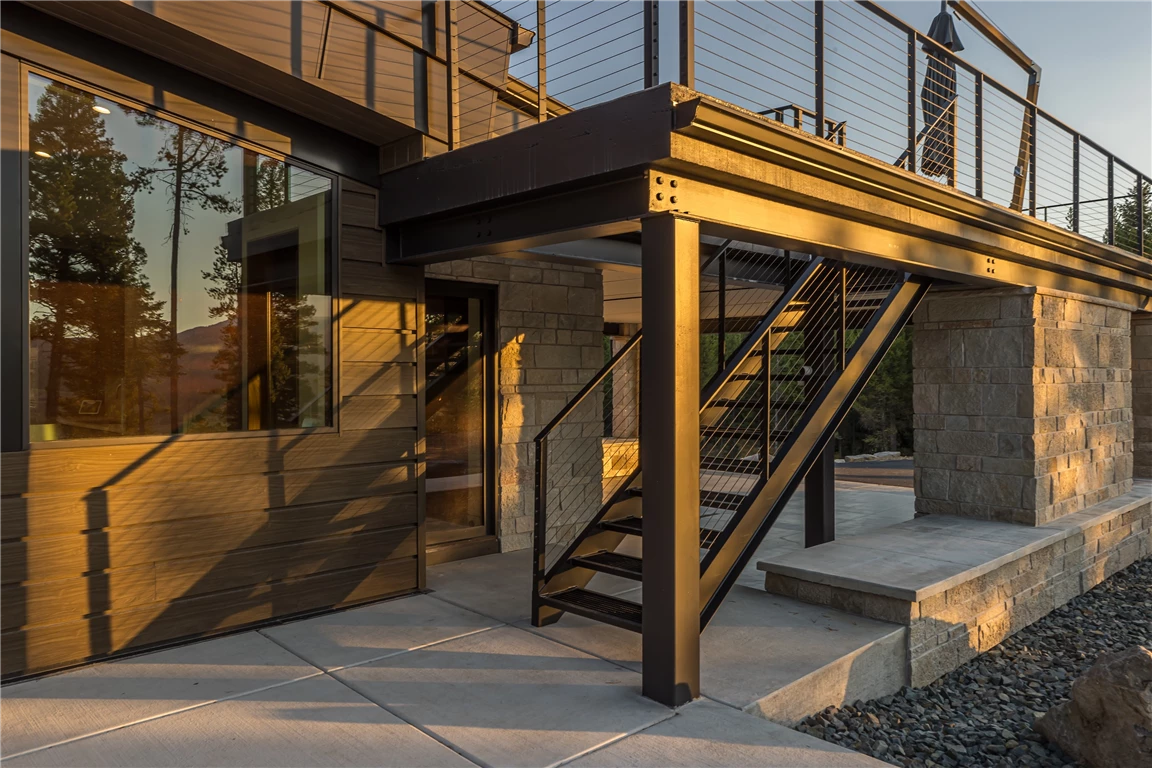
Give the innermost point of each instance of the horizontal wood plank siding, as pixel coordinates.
(122, 546)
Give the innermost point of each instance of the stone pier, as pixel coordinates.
(1023, 404)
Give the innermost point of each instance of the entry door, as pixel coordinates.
(460, 385)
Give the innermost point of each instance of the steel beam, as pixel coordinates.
(670, 455)
(940, 247)
(593, 211)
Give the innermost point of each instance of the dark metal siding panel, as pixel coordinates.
(113, 548)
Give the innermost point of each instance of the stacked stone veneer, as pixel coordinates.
(977, 610)
(1142, 393)
(551, 330)
(1023, 404)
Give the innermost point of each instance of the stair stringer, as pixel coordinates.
(724, 562)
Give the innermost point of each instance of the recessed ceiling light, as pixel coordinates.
(102, 110)
(41, 153)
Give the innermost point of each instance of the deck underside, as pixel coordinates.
(598, 172)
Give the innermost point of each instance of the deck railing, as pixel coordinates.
(850, 72)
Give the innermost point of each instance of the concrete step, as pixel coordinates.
(768, 655)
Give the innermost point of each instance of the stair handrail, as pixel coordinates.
(756, 336)
(710, 600)
(598, 377)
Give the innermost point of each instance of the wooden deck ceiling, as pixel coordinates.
(598, 171)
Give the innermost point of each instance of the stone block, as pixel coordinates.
(962, 399)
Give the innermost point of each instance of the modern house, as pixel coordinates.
(300, 298)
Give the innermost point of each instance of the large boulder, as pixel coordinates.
(1108, 721)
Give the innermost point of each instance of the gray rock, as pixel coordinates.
(1108, 721)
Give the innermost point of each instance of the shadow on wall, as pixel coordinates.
(312, 525)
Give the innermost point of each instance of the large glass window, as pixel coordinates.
(178, 283)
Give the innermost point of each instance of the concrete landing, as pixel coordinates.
(928, 555)
(963, 585)
(772, 656)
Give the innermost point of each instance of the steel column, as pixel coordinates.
(687, 44)
(820, 499)
(452, 57)
(651, 43)
(541, 65)
(670, 455)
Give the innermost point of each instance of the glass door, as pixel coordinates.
(459, 391)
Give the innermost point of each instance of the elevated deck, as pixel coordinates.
(599, 171)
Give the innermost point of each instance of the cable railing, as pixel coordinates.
(850, 72)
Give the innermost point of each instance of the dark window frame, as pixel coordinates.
(15, 409)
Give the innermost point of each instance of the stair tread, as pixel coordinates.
(736, 466)
(615, 563)
(634, 526)
(594, 605)
(727, 402)
(743, 433)
(707, 498)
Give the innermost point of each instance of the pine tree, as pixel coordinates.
(190, 166)
(1126, 226)
(96, 307)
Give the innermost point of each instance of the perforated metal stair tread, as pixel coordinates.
(634, 526)
(707, 499)
(613, 563)
(593, 605)
(736, 466)
(724, 402)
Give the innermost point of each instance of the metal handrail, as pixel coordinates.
(592, 383)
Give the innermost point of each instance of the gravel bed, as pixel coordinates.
(981, 714)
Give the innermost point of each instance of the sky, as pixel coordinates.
(1096, 57)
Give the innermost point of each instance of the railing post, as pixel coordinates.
(721, 323)
(979, 134)
(1111, 200)
(541, 65)
(1032, 161)
(912, 101)
(766, 371)
(670, 456)
(687, 44)
(452, 57)
(1140, 214)
(1075, 182)
(818, 36)
(651, 43)
(540, 613)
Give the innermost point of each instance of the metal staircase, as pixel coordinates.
(796, 339)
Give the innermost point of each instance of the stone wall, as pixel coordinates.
(953, 625)
(1142, 394)
(551, 330)
(1023, 404)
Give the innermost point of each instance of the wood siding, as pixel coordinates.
(110, 548)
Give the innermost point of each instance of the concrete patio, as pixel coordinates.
(459, 677)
